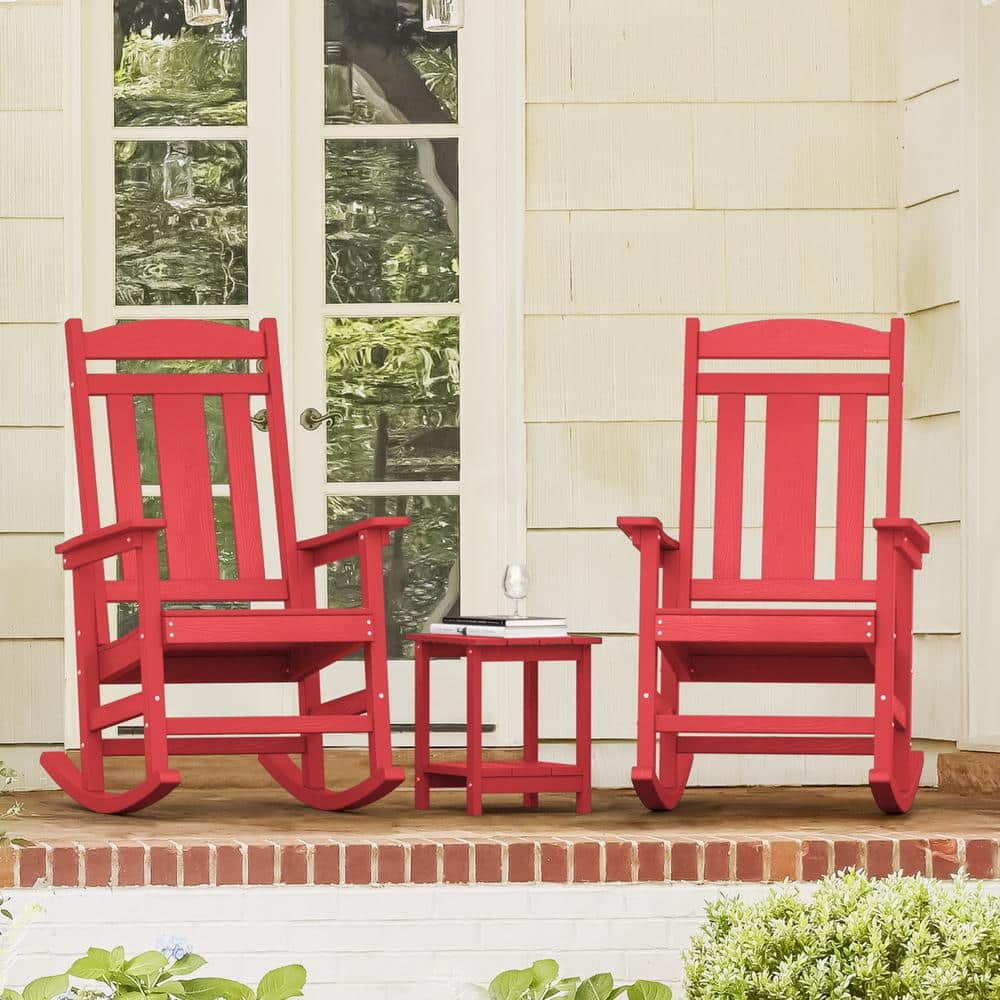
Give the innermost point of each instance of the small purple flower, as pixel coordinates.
(172, 947)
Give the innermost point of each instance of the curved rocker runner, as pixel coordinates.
(178, 640)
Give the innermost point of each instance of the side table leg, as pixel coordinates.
(422, 728)
(583, 729)
(530, 733)
(474, 734)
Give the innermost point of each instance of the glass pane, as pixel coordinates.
(170, 73)
(382, 67)
(392, 220)
(421, 563)
(181, 223)
(393, 384)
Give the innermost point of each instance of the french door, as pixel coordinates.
(333, 164)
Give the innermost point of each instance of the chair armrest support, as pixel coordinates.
(910, 540)
(346, 542)
(636, 527)
(93, 546)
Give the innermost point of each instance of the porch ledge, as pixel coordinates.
(494, 861)
(251, 837)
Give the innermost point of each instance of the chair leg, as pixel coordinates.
(661, 774)
(896, 775)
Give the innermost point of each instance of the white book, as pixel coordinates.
(498, 631)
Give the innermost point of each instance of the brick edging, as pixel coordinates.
(483, 861)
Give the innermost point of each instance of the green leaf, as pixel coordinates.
(543, 974)
(87, 968)
(216, 989)
(117, 958)
(149, 963)
(186, 965)
(511, 985)
(10, 995)
(597, 987)
(282, 984)
(644, 989)
(46, 987)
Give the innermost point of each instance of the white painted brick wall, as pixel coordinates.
(403, 942)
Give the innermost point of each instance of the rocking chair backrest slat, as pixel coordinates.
(851, 454)
(728, 549)
(243, 484)
(794, 462)
(188, 470)
(790, 450)
(186, 485)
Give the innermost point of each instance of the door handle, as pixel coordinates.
(311, 419)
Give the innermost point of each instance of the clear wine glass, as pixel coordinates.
(515, 585)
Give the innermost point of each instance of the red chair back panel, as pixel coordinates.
(178, 404)
(793, 461)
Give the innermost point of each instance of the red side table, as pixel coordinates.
(529, 776)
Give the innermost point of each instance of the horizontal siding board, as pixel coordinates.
(32, 375)
(607, 156)
(931, 253)
(932, 126)
(931, 50)
(31, 678)
(875, 48)
(640, 51)
(31, 56)
(549, 75)
(937, 687)
(630, 365)
(34, 608)
(782, 50)
(31, 271)
(547, 262)
(33, 464)
(937, 602)
(933, 382)
(932, 468)
(837, 155)
(647, 262)
(31, 164)
(811, 261)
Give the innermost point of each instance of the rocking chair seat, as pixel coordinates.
(241, 644)
(791, 645)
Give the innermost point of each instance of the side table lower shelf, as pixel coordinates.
(509, 777)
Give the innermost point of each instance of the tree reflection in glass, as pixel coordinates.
(168, 73)
(187, 251)
(421, 563)
(400, 72)
(394, 387)
(392, 220)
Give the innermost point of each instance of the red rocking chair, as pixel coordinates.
(234, 645)
(867, 639)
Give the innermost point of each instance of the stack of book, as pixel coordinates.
(501, 626)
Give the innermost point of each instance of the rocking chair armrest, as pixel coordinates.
(910, 539)
(346, 542)
(93, 546)
(635, 527)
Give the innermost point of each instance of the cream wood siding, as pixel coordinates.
(32, 304)
(733, 161)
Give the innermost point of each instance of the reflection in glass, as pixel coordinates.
(392, 220)
(420, 562)
(401, 72)
(338, 83)
(181, 223)
(393, 385)
(444, 15)
(169, 73)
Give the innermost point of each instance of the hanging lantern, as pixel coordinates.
(444, 15)
(203, 13)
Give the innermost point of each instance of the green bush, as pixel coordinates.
(542, 982)
(902, 938)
